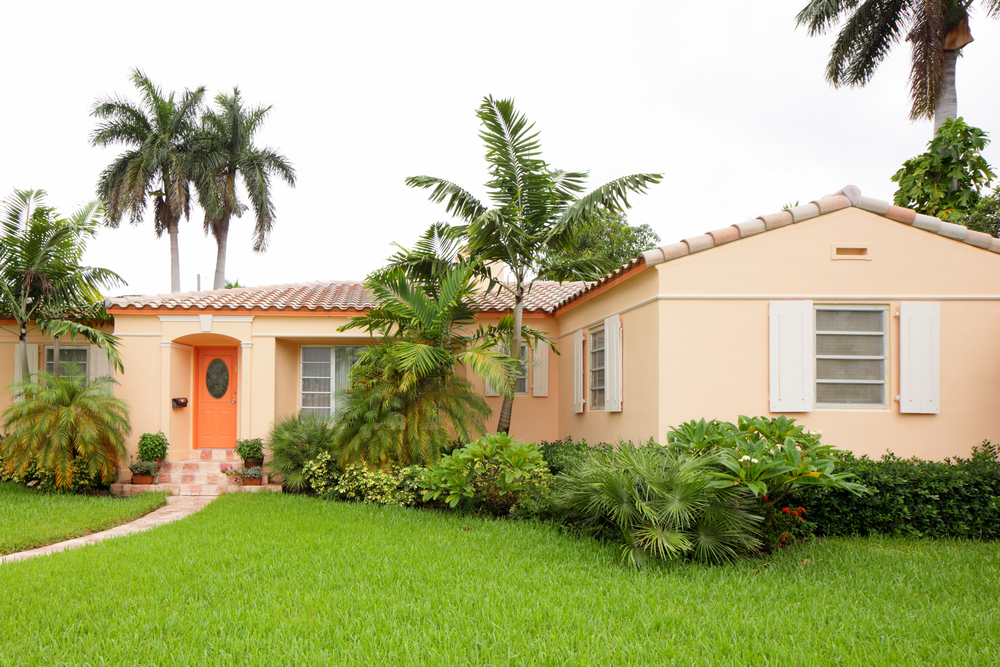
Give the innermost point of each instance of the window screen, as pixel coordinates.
(851, 357)
(67, 355)
(597, 370)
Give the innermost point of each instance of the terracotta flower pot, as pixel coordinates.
(251, 481)
(142, 479)
(252, 463)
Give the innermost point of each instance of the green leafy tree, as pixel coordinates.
(985, 215)
(157, 164)
(609, 239)
(406, 402)
(936, 30)
(535, 213)
(42, 282)
(226, 151)
(66, 425)
(947, 180)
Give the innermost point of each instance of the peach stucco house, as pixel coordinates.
(869, 322)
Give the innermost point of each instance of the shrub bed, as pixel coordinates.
(911, 497)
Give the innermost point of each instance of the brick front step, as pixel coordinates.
(190, 489)
(202, 467)
(212, 455)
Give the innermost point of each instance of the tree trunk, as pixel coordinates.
(503, 426)
(221, 231)
(22, 353)
(175, 255)
(947, 102)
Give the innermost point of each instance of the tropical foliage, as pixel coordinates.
(936, 30)
(42, 281)
(225, 151)
(406, 403)
(65, 425)
(535, 213)
(946, 181)
(607, 238)
(157, 163)
(660, 503)
(294, 441)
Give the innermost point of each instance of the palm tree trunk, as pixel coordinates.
(503, 426)
(221, 231)
(22, 353)
(947, 102)
(175, 255)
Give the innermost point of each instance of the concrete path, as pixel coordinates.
(177, 507)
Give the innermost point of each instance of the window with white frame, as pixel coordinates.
(851, 356)
(597, 369)
(67, 354)
(325, 370)
(521, 377)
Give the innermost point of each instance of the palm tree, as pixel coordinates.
(936, 29)
(406, 402)
(41, 279)
(64, 423)
(157, 163)
(230, 152)
(536, 212)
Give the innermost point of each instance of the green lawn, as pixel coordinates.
(264, 579)
(30, 519)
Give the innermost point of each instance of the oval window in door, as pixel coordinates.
(217, 378)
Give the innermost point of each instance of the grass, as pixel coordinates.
(262, 579)
(30, 518)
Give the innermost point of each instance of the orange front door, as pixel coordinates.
(215, 388)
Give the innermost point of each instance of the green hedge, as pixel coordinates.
(562, 455)
(951, 498)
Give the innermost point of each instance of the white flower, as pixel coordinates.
(745, 458)
(754, 461)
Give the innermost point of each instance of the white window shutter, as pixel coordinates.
(32, 360)
(791, 356)
(540, 371)
(920, 357)
(613, 364)
(578, 371)
(98, 362)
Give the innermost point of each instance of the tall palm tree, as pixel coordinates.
(41, 279)
(157, 163)
(230, 152)
(536, 211)
(936, 29)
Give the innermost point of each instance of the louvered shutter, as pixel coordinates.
(540, 371)
(98, 362)
(791, 356)
(32, 360)
(613, 364)
(578, 371)
(920, 357)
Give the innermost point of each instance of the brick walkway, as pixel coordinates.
(177, 507)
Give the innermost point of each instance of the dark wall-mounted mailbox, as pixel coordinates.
(180, 402)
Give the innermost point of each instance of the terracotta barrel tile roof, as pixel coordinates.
(324, 296)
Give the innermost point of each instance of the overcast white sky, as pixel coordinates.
(726, 99)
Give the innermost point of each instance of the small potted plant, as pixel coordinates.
(142, 471)
(251, 476)
(153, 447)
(251, 451)
(232, 472)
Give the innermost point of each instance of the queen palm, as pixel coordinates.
(936, 29)
(157, 163)
(42, 282)
(228, 152)
(535, 213)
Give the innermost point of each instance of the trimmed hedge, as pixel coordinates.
(562, 455)
(957, 498)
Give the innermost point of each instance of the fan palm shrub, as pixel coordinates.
(67, 426)
(660, 503)
(296, 440)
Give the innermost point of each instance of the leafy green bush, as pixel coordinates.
(394, 485)
(83, 480)
(250, 448)
(952, 498)
(153, 446)
(492, 473)
(143, 467)
(561, 455)
(294, 441)
(766, 457)
(321, 474)
(663, 503)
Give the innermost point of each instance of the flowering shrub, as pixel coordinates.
(782, 527)
(235, 474)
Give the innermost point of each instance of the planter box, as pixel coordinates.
(142, 479)
(251, 481)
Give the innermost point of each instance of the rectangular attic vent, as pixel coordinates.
(849, 252)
